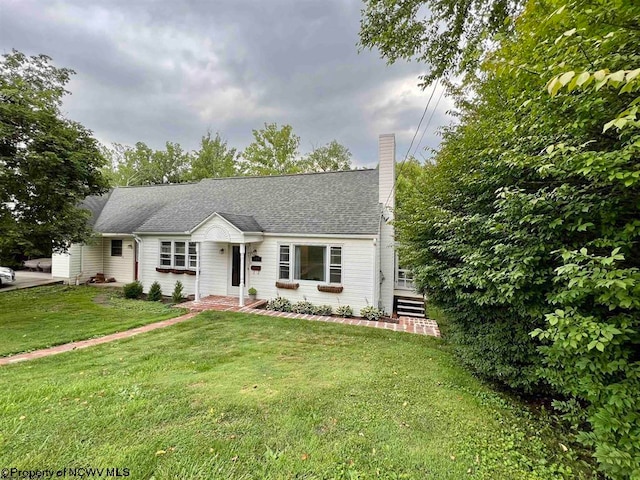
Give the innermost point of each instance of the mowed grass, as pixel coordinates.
(235, 396)
(46, 316)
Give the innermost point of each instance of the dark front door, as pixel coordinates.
(235, 266)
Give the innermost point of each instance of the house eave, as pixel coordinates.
(363, 236)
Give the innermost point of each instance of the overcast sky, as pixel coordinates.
(168, 70)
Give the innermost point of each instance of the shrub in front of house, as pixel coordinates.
(303, 307)
(132, 290)
(279, 304)
(344, 311)
(155, 292)
(371, 313)
(323, 310)
(178, 293)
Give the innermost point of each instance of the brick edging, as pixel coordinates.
(67, 347)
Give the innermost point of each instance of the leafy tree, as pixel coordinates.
(118, 170)
(274, 151)
(214, 159)
(449, 36)
(141, 165)
(48, 164)
(169, 165)
(526, 231)
(331, 157)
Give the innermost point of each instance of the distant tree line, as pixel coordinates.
(274, 151)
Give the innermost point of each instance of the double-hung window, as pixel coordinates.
(178, 254)
(319, 263)
(116, 248)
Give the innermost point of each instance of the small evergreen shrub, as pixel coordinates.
(132, 290)
(279, 304)
(344, 311)
(178, 293)
(252, 291)
(371, 313)
(323, 310)
(303, 307)
(155, 292)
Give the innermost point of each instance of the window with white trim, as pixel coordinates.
(116, 248)
(193, 255)
(319, 263)
(176, 254)
(285, 262)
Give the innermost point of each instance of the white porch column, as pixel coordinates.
(242, 251)
(197, 296)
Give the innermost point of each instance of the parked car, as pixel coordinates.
(7, 275)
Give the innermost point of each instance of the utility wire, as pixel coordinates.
(428, 122)
(412, 140)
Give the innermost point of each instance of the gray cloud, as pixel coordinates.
(157, 71)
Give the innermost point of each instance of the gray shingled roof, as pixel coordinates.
(321, 203)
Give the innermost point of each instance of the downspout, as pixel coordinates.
(380, 245)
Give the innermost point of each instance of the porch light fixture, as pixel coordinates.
(221, 251)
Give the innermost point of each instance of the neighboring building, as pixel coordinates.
(327, 233)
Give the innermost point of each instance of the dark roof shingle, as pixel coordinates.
(323, 203)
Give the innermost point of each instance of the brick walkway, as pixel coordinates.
(419, 326)
(94, 341)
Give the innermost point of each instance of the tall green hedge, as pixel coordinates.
(527, 229)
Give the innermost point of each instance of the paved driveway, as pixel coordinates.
(25, 279)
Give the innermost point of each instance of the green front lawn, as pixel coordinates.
(237, 396)
(45, 316)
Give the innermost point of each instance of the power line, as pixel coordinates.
(428, 122)
(412, 140)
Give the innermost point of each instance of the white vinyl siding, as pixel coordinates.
(213, 267)
(122, 267)
(356, 271)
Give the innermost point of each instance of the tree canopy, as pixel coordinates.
(274, 151)
(330, 157)
(449, 36)
(214, 159)
(48, 163)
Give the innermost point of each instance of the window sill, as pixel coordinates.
(330, 288)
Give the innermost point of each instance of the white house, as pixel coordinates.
(323, 237)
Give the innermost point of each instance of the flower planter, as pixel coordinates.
(163, 270)
(287, 285)
(177, 271)
(190, 272)
(330, 288)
